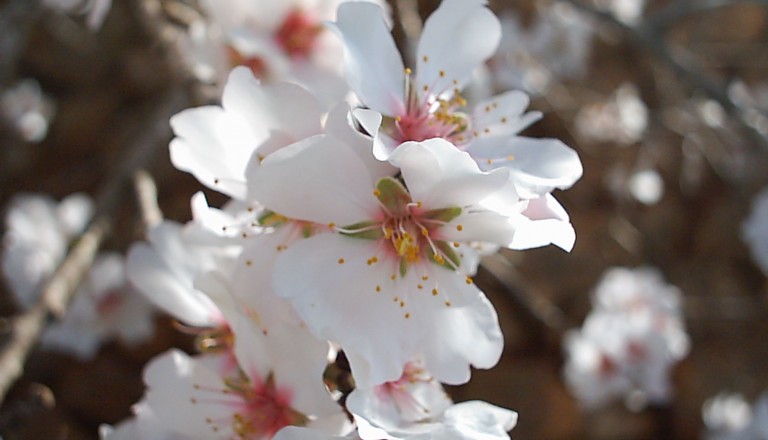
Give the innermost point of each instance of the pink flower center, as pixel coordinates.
(264, 411)
(298, 34)
(428, 116)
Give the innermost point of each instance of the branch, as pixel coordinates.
(26, 328)
(146, 193)
(647, 37)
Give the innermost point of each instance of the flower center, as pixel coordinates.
(410, 231)
(428, 116)
(265, 410)
(298, 34)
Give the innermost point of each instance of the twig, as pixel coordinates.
(647, 37)
(679, 10)
(16, 18)
(146, 193)
(27, 327)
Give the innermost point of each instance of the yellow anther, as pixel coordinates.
(249, 262)
(341, 261)
(408, 71)
(419, 286)
(425, 58)
(378, 288)
(510, 157)
(442, 74)
(439, 258)
(331, 225)
(398, 118)
(447, 303)
(434, 292)
(456, 244)
(469, 280)
(407, 315)
(387, 233)
(504, 120)
(424, 232)
(459, 227)
(425, 277)
(376, 192)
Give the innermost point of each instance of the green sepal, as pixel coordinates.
(393, 195)
(449, 255)
(366, 232)
(443, 215)
(271, 218)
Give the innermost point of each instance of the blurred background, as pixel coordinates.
(664, 100)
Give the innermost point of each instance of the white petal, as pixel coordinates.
(384, 321)
(457, 38)
(502, 115)
(544, 222)
(536, 166)
(319, 179)
(340, 126)
(370, 120)
(284, 108)
(374, 68)
(214, 147)
(439, 175)
(185, 393)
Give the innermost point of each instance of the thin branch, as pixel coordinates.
(649, 38)
(146, 193)
(26, 328)
(679, 10)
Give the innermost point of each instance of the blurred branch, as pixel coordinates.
(648, 37)
(16, 19)
(146, 193)
(679, 10)
(537, 306)
(56, 294)
(26, 328)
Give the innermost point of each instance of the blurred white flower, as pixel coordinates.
(104, 307)
(730, 417)
(621, 118)
(27, 109)
(95, 11)
(555, 47)
(626, 11)
(37, 237)
(630, 340)
(754, 230)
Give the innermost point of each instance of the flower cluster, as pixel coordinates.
(629, 342)
(351, 238)
(730, 417)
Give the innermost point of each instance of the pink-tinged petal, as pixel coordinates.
(374, 68)
(186, 394)
(341, 126)
(283, 108)
(439, 175)
(150, 274)
(457, 38)
(543, 222)
(318, 179)
(503, 115)
(536, 166)
(214, 147)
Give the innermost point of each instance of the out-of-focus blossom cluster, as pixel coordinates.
(730, 417)
(94, 11)
(629, 342)
(39, 232)
(755, 230)
(26, 108)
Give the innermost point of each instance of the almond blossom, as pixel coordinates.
(104, 307)
(423, 103)
(276, 381)
(416, 406)
(629, 342)
(395, 248)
